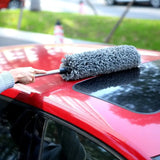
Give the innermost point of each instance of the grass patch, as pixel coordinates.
(140, 33)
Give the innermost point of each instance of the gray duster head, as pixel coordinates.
(100, 61)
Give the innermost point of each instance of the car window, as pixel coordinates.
(128, 89)
(20, 131)
(63, 143)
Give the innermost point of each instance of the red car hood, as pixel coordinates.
(139, 132)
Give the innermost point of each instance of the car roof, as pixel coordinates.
(109, 122)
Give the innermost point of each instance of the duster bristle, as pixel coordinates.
(101, 61)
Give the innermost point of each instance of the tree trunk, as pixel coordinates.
(92, 7)
(35, 5)
(119, 22)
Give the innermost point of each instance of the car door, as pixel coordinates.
(28, 133)
(62, 141)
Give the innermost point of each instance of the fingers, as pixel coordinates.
(25, 75)
(38, 71)
(26, 78)
(30, 74)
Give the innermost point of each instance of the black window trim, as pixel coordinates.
(43, 135)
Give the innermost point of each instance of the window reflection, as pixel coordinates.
(138, 93)
(62, 143)
(20, 132)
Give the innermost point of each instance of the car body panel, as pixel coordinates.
(123, 1)
(6, 3)
(134, 135)
(153, 3)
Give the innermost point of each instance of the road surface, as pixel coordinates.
(72, 6)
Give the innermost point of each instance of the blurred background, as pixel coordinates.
(114, 22)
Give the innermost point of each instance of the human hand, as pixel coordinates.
(25, 75)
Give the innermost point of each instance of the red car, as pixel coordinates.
(10, 3)
(114, 116)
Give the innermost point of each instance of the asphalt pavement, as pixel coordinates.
(18, 37)
(140, 11)
(6, 41)
(9, 37)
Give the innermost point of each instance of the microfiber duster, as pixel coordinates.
(97, 62)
